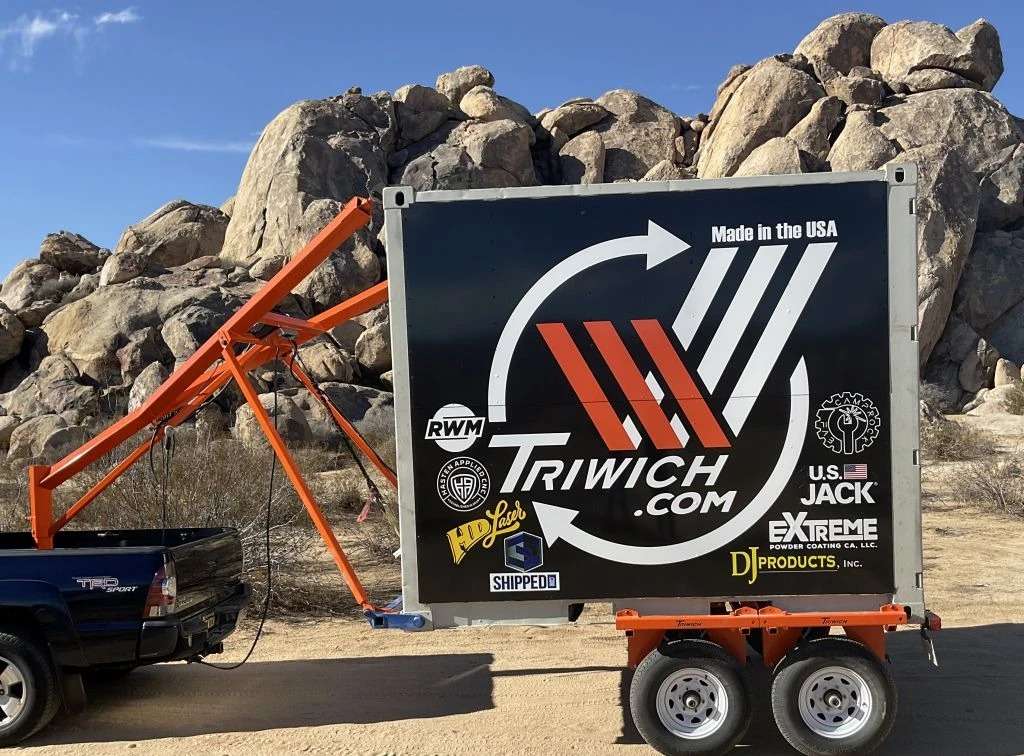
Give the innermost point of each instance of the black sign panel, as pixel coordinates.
(650, 394)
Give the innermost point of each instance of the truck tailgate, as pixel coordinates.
(207, 570)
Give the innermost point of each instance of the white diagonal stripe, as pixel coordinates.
(776, 333)
(740, 311)
(703, 290)
(656, 390)
(677, 426)
(632, 431)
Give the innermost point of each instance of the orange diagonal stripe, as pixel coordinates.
(583, 382)
(633, 385)
(681, 384)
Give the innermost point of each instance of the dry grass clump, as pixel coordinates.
(1014, 400)
(947, 440)
(996, 483)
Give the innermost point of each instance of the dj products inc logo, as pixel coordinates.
(463, 484)
(847, 423)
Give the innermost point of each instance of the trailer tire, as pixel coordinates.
(30, 687)
(690, 699)
(833, 696)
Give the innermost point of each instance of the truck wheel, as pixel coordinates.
(833, 696)
(691, 699)
(29, 690)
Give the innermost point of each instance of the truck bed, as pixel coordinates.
(101, 580)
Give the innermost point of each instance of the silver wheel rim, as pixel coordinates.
(835, 702)
(692, 703)
(12, 693)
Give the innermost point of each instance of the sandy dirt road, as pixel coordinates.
(337, 687)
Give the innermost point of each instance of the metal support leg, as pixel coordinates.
(292, 470)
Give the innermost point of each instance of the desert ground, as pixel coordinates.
(335, 686)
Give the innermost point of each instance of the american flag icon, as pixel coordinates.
(855, 472)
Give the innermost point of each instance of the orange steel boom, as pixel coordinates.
(200, 377)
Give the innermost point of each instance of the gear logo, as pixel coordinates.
(847, 423)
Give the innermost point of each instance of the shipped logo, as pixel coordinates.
(524, 553)
(463, 484)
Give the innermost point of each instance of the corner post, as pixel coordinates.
(40, 506)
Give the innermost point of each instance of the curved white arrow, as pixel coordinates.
(556, 522)
(657, 246)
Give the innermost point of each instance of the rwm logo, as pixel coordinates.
(454, 428)
(644, 393)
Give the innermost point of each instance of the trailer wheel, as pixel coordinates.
(29, 690)
(833, 696)
(691, 699)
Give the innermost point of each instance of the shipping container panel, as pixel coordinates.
(683, 390)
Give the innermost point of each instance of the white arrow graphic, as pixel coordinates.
(657, 245)
(557, 522)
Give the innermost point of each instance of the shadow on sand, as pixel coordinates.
(971, 704)
(178, 700)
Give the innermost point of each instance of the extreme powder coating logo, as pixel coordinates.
(847, 423)
(463, 484)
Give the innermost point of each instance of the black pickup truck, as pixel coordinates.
(105, 602)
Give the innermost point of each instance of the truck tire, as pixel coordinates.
(30, 688)
(833, 696)
(690, 699)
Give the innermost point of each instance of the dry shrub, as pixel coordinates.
(997, 483)
(221, 482)
(1014, 400)
(947, 440)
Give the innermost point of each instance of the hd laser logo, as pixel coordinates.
(668, 399)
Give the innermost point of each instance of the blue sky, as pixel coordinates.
(111, 109)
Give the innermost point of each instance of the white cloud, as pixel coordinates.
(27, 32)
(126, 16)
(20, 38)
(184, 144)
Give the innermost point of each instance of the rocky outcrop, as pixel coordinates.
(84, 333)
(904, 50)
(768, 101)
(841, 42)
(175, 234)
(309, 160)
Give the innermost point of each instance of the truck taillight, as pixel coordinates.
(163, 592)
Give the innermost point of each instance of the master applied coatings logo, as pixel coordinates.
(847, 423)
(463, 484)
(454, 428)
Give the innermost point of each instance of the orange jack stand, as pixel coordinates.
(238, 349)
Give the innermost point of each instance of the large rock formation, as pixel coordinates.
(84, 333)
